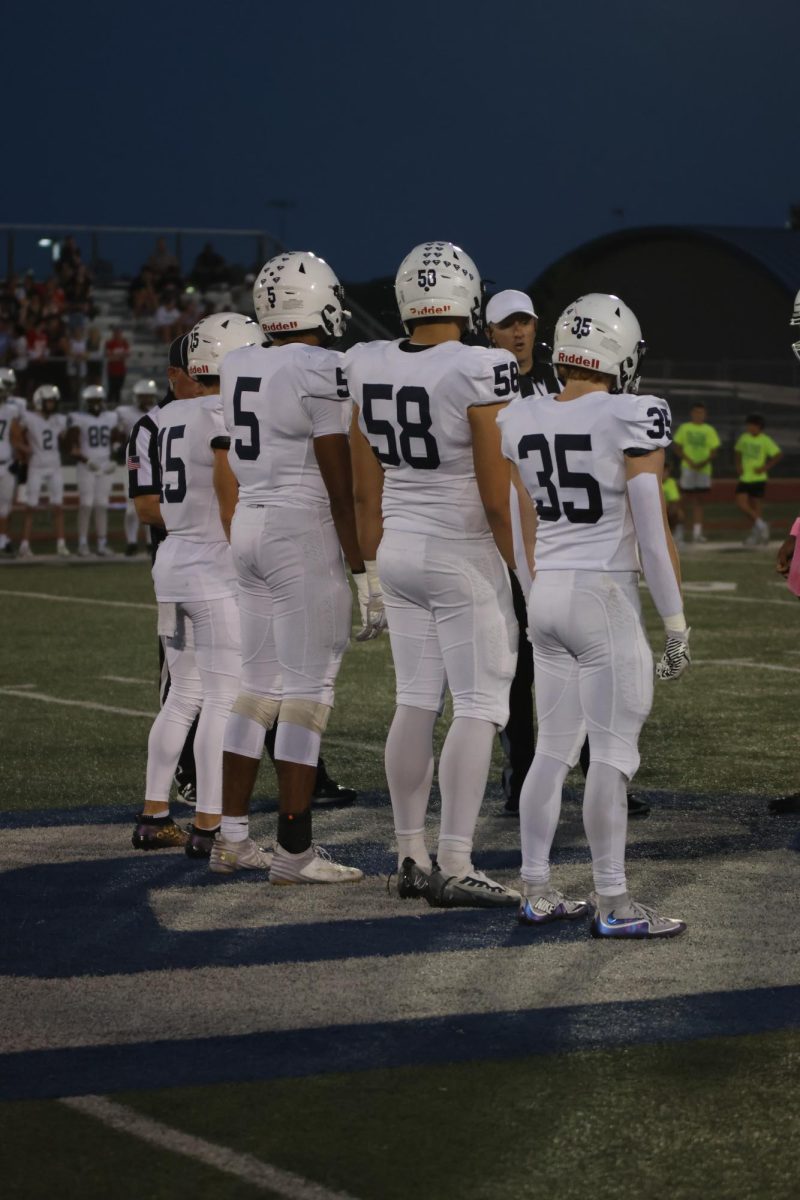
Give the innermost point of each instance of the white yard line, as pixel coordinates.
(739, 599)
(123, 679)
(243, 1166)
(744, 662)
(77, 599)
(108, 708)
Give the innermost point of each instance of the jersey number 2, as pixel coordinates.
(563, 443)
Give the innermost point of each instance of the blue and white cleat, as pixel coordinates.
(639, 921)
(551, 906)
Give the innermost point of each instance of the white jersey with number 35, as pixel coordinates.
(571, 459)
(276, 401)
(414, 407)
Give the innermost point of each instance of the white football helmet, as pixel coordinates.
(296, 292)
(145, 394)
(8, 381)
(437, 279)
(213, 337)
(94, 397)
(795, 321)
(600, 333)
(46, 398)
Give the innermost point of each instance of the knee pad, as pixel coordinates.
(300, 728)
(261, 709)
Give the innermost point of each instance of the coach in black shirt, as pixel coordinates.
(511, 324)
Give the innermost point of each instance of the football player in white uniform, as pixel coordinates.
(195, 584)
(432, 500)
(36, 437)
(285, 411)
(90, 437)
(591, 459)
(145, 396)
(11, 407)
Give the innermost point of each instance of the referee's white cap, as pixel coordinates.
(505, 303)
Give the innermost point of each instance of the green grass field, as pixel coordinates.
(637, 1096)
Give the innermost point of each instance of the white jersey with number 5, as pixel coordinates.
(571, 459)
(195, 562)
(414, 404)
(276, 401)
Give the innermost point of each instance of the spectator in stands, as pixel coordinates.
(167, 320)
(20, 357)
(143, 296)
(209, 268)
(76, 361)
(164, 266)
(38, 352)
(117, 349)
(95, 356)
(57, 352)
(70, 257)
(756, 455)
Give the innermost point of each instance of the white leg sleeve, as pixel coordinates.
(215, 625)
(84, 514)
(539, 810)
(605, 819)
(174, 721)
(409, 773)
(463, 771)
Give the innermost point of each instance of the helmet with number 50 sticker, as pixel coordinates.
(600, 333)
(437, 279)
(214, 337)
(296, 292)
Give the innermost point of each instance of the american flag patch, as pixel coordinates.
(133, 462)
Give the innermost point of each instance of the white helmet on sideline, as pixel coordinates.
(8, 381)
(94, 397)
(437, 279)
(47, 396)
(296, 292)
(146, 393)
(600, 333)
(215, 336)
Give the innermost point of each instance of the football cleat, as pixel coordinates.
(550, 906)
(186, 791)
(154, 834)
(25, 551)
(785, 804)
(637, 807)
(227, 857)
(132, 549)
(84, 552)
(315, 866)
(330, 794)
(471, 890)
(105, 552)
(201, 842)
(63, 552)
(412, 881)
(640, 921)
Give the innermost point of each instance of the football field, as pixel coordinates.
(168, 1033)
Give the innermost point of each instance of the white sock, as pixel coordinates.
(131, 527)
(463, 772)
(697, 529)
(3, 541)
(409, 772)
(759, 524)
(24, 544)
(605, 819)
(101, 523)
(539, 810)
(235, 829)
(84, 513)
(60, 544)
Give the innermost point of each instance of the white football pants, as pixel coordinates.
(593, 667)
(94, 487)
(41, 477)
(294, 601)
(204, 664)
(451, 623)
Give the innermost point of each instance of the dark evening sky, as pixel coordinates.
(518, 130)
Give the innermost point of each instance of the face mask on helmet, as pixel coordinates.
(8, 381)
(145, 394)
(94, 398)
(600, 333)
(297, 292)
(214, 337)
(437, 279)
(46, 399)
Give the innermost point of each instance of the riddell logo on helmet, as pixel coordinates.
(277, 326)
(429, 310)
(198, 369)
(578, 360)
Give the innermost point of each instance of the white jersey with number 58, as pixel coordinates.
(414, 404)
(276, 400)
(571, 459)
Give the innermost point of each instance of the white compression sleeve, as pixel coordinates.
(520, 555)
(644, 494)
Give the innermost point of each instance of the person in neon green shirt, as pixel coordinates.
(672, 499)
(696, 444)
(756, 455)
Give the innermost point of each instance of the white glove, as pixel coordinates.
(676, 657)
(370, 601)
(109, 468)
(93, 466)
